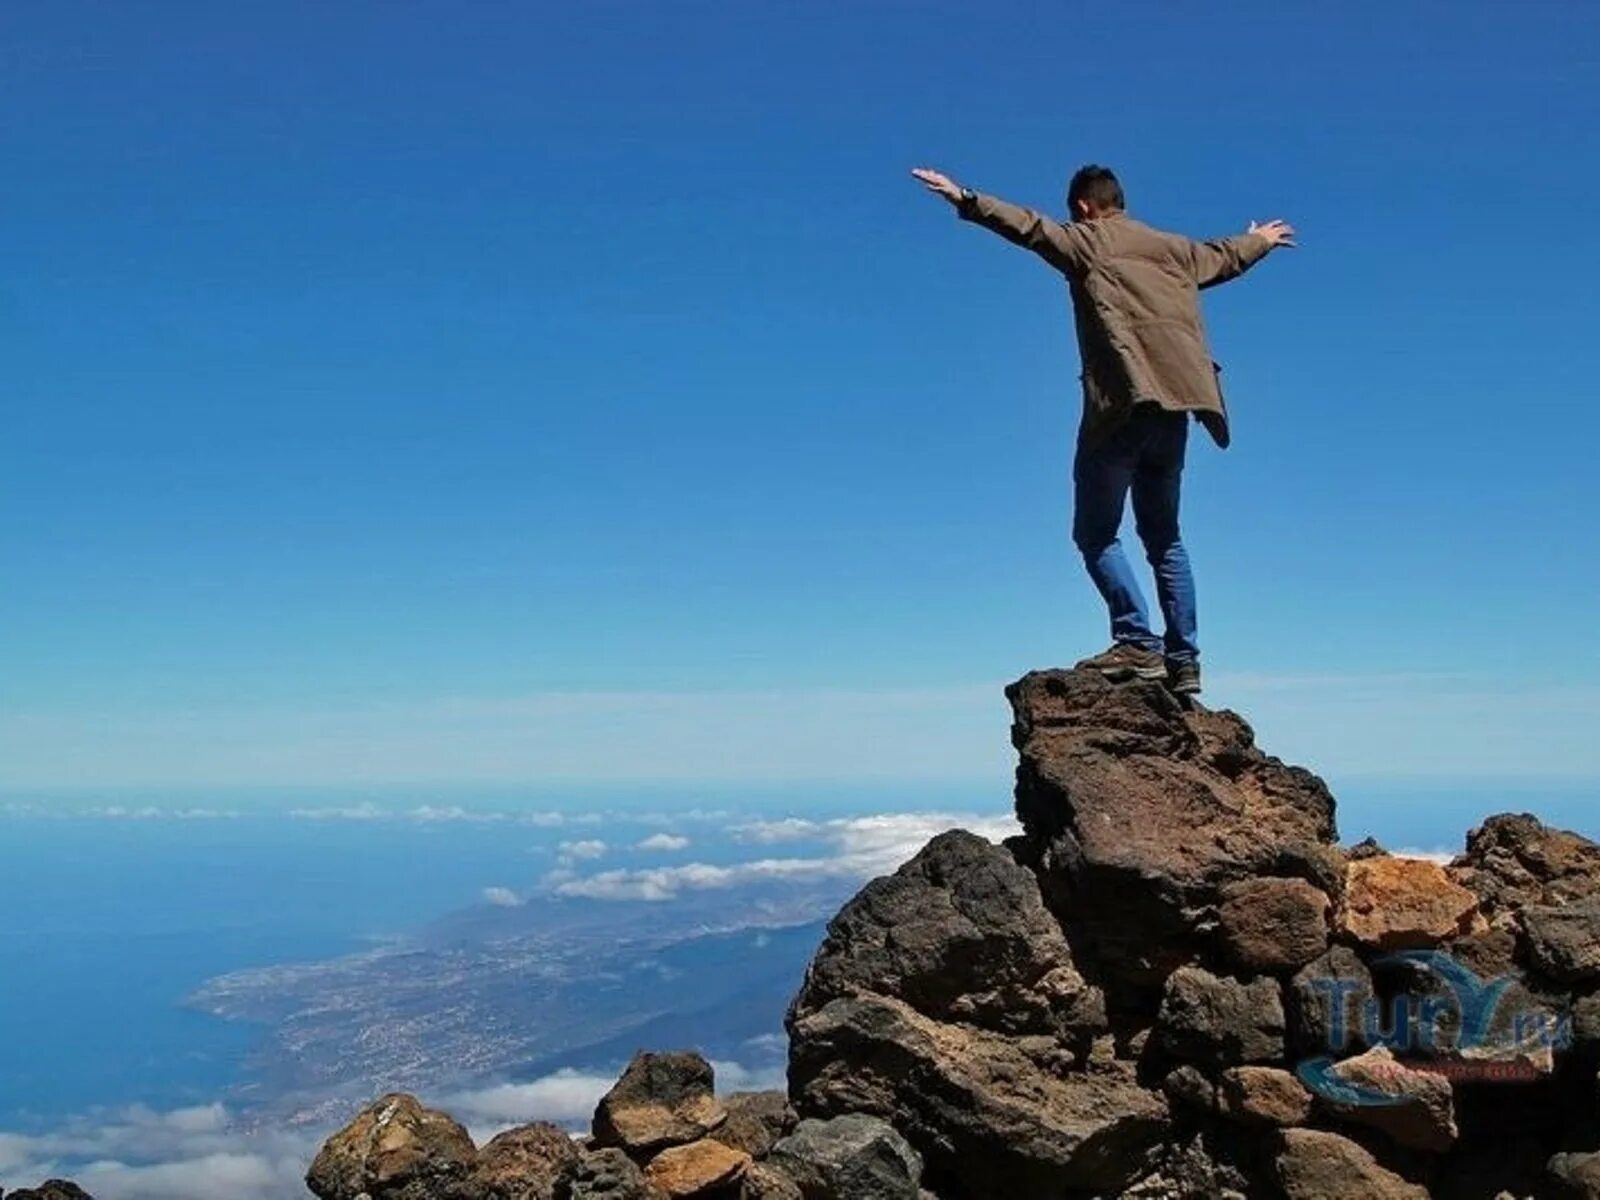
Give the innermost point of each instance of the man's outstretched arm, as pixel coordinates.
(1059, 245)
(1223, 259)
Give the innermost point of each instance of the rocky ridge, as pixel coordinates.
(1174, 983)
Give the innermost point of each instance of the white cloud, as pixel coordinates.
(859, 847)
(580, 851)
(439, 813)
(735, 1077)
(118, 812)
(664, 841)
(138, 1153)
(501, 897)
(1441, 856)
(568, 1097)
(786, 829)
(365, 811)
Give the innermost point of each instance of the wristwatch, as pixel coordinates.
(967, 196)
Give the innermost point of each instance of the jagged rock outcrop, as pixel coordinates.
(1175, 984)
(1246, 975)
(1138, 812)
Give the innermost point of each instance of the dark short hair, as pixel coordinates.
(1096, 184)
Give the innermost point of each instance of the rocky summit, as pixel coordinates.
(1174, 983)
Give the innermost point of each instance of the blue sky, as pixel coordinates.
(563, 392)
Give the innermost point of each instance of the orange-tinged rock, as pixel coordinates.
(682, 1171)
(1400, 903)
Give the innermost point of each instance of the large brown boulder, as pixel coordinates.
(1515, 860)
(1314, 1165)
(1272, 924)
(764, 1181)
(1564, 941)
(695, 1169)
(395, 1149)
(1217, 1021)
(661, 1100)
(523, 1163)
(1403, 903)
(982, 1112)
(1138, 809)
(605, 1173)
(1328, 1002)
(959, 933)
(1419, 1111)
(1263, 1096)
(756, 1121)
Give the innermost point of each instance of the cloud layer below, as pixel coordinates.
(851, 847)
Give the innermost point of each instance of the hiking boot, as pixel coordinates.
(1183, 677)
(1126, 661)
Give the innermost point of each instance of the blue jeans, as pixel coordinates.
(1144, 454)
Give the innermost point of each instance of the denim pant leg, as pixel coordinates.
(1157, 482)
(1102, 475)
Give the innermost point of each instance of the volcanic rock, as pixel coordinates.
(959, 933)
(523, 1163)
(661, 1100)
(1273, 924)
(1403, 903)
(695, 1169)
(1138, 809)
(1514, 860)
(1564, 942)
(1216, 1021)
(849, 1157)
(1314, 1165)
(981, 1110)
(603, 1174)
(1327, 1003)
(1263, 1096)
(1420, 1111)
(395, 1149)
(756, 1120)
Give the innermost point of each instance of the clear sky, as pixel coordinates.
(535, 391)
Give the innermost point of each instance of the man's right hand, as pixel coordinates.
(1277, 233)
(939, 185)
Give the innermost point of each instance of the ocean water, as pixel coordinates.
(109, 921)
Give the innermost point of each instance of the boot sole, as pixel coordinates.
(1123, 674)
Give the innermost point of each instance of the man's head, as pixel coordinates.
(1094, 192)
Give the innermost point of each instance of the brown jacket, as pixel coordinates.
(1136, 302)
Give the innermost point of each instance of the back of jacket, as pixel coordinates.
(1136, 303)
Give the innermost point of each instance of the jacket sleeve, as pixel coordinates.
(1060, 245)
(1222, 259)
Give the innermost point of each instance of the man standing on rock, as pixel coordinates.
(1136, 302)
